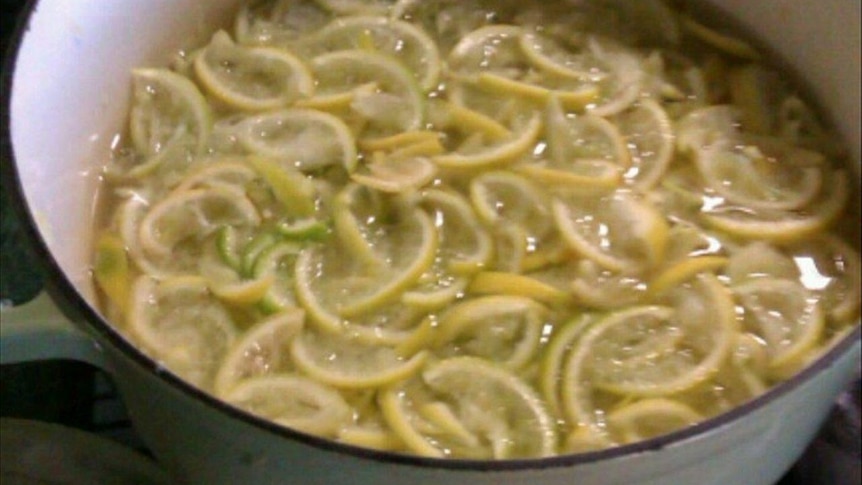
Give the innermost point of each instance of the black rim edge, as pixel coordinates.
(76, 307)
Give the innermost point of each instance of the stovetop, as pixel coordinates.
(82, 397)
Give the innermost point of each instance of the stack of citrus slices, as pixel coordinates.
(407, 226)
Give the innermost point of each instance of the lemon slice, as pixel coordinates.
(595, 287)
(395, 106)
(550, 368)
(620, 231)
(649, 418)
(547, 54)
(398, 140)
(279, 23)
(261, 350)
(623, 86)
(435, 289)
(583, 136)
(582, 175)
(182, 325)
(683, 271)
(350, 7)
(831, 267)
(324, 281)
(251, 78)
(784, 314)
(526, 132)
(464, 245)
(511, 244)
(396, 38)
(290, 188)
(504, 198)
(759, 259)
(493, 48)
(167, 108)
(111, 270)
(499, 283)
(395, 174)
(352, 209)
(293, 401)
(784, 226)
(476, 410)
(303, 139)
(503, 329)
(453, 115)
(348, 364)
(193, 213)
(217, 173)
(649, 135)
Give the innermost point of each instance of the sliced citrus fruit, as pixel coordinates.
(831, 267)
(303, 139)
(648, 132)
(585, 136)
(277, 263)
(499, 283)
(347, 364)
(181, 324)
(784, 314)
(290, 188)
(620, 231)
(293, 401)
(550, 371)
(526, 132)
(396, 174)
(581, 175)
(721, 41)
(279, 23)
(596, 287)
(649, 418)
(759, 259)
(111, 270)
(251, 78)
(503, 329)
(396, 38)
(476, 410)
(261, 350)
(504, 198)
(683, 271)
(167, 108)
(464, 245)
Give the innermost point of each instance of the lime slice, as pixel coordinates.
(784, 314)
(181, 325)
(193, 213)
(261, 350)
(251, 78)
(396, 38)
(502, 329)
(619, 231)
(465, 246)
(167, 108)
(277, 263)
(348, 364)
(303, 139)
(476, 410)
(293, 401)
(649, 418)
(395, 105)
(649, 135)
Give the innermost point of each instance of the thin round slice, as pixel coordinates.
(167, 108)
(648, 132)
(293, 401)
(251, 78)
(465, 245)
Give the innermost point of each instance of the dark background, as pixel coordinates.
(80, 396)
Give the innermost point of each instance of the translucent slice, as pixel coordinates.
(501, 329)
(347, 364)
(396, 38)
(649, 135)
(277, 263)
(193, 213)
(395, 174)
(491, 48)
(280, 22)
(760, 259)
(293, 401)
(499, 283)
(261, 350)
(251, 78)
(649, 418)
(571, 138)
(503, 198)
(491, 413)
(167, 108)
(524, 137)
(582, 175)
(395, 106)
(784, 314)
(831, 267)
(784, 226)
(465, 246)
(549, 55)
(595, 287)
(180, 324)
(683, 271)
(623, 86)
(289, 187)
(619, 231)
(303, 139)
(550, 371)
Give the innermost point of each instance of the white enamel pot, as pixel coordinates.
(66, 89)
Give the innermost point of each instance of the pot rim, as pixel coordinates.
(76, 307)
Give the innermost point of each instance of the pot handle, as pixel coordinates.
(38, 330)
